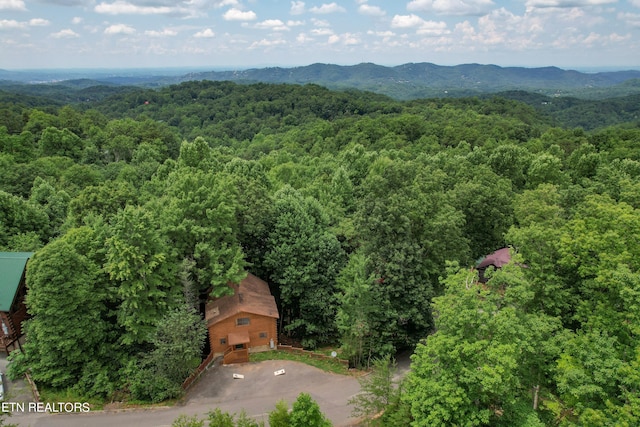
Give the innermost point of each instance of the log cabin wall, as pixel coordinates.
(261, 330)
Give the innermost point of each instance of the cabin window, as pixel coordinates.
(263, 335)
(223, 341)
(242, 321)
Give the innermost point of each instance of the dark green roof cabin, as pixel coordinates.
(12, 292)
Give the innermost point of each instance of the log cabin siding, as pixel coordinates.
(18, 312)
(13, 321)
(257, 325)
(251, 300)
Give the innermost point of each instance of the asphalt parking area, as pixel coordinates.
(259, 390)
(257, 394)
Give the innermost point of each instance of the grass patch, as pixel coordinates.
(97, 404)
(326, 365)
(68, 395)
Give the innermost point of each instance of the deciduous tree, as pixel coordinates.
(68, 298)
(306, 413)
(137, 262)
(304, 258)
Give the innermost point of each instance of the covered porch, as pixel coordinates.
(238, 350)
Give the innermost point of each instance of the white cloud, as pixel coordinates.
(205, 34)
(406, 21)
(327, 8)
(266, 43)
(11, 24)
(565, 3)
(302, 38)
(65, 34)
(126, 8)
(119, 29)
(590, 40)
(616, 38)
(504, 30)
(466, 29)
(453, 7)
(297, 8)
(238, 15)
(635, 3)
(575, 15)
(17, 5)
(433, 28)
(76, 20)
(366, 9)
(223, 3)
(291, 23)
(347, 39)
(632, 19)
(381, 33)
(272, 24)
(350, 39)
(426, 28)
(320, 22)
(164, 33)
(68, 2)
(322, 32)
(182, 8)
(38, 22)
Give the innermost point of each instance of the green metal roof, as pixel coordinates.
(11, 268)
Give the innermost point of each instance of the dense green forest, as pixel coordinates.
(365, 215)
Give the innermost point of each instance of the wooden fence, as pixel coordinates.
(34, 388)
(205, 363)
(311, 354)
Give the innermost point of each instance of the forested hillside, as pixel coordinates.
(365, 215)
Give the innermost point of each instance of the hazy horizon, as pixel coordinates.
(238, 34)
(177, 69)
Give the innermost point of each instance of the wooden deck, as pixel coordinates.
(235, 356)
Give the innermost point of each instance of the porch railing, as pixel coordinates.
(232, 355)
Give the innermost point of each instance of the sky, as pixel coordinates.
(228, 34)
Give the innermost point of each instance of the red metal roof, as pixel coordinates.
(497, 259)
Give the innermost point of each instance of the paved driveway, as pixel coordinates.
(15, 391)
(264, 389)
(257, 394)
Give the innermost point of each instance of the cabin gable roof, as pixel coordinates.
(12, 266)
(497, 259)
(251, 295)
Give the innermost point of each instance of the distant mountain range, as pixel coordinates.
(408, 81)
(425, 79)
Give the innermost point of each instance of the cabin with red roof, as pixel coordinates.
(243, 322)
(495, 259)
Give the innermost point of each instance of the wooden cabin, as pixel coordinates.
(243, 322)
(13, 290)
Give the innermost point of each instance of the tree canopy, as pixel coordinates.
(365, 215)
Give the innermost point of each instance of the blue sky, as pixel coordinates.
(248, 33)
